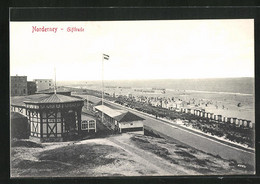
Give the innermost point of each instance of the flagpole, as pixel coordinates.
(55, 88)
(87, 95)
(102, 86)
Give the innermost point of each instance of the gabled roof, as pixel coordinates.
(127, 117)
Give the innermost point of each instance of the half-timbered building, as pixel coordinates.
(52, 117)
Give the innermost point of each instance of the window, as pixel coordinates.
(24, 91)
(49, 84)
(84, 125)
(91, 124)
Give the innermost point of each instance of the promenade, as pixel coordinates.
(195, 139)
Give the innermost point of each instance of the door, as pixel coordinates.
(70, 121)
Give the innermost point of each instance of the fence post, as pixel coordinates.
(219, 118)
(194, 111)
(211, 116)
(239, 122)
(248, 123)
(215, 117)
(245, 123)
(235, 121)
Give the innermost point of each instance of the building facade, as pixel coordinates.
(52, 117)
(88, 124)
(43, 84)
(31, 87)
(18, 85)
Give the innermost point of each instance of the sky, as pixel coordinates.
(172, 49)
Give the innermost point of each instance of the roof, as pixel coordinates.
(109, 111)
(95, 100)
(57, 98)
(17, 115)
(128, 116)
(43, 98)
(119, 115)
(19, 100)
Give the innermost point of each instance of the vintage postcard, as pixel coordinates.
(132, 98)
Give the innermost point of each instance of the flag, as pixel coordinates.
(105, 56)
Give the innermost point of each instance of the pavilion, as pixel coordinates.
(52, 117)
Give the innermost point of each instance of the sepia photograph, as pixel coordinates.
(132, 98)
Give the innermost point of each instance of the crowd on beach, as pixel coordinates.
(225, 104)
(223, 107)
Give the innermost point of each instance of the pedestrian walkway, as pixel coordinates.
(197, 140)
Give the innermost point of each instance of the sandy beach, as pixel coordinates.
(227, 104)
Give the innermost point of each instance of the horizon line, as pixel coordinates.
(156, 79)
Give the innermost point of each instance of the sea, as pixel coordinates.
(223, 85)
(243, 85)
(221, 92)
